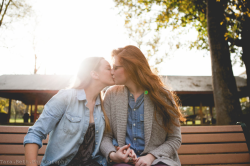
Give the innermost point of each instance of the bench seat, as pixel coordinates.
(201, 145)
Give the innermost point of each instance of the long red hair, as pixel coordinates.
(136, 65)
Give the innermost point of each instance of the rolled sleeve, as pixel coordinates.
(32, 138)
(52, 113)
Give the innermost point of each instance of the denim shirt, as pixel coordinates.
(135, 124)
(66, 119)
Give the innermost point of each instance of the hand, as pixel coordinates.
(145, 160)
(119, 156)
(132, 155)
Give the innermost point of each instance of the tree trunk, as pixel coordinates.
(246, 46)
(227, 105)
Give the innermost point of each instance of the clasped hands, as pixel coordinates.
(127, 155)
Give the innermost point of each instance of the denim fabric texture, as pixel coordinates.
(135, 124)
(66, 119)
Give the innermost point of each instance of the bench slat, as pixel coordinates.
(231, 139)
(15, 138)
(211, 129)
(221, 165)
(185, 159)
(215, 159)
(184, 129)
(17, 149)
(213, 148)
(184, 149)
(16, 160)
(212, 138)
(14, 129)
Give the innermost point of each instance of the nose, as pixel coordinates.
(112, 71)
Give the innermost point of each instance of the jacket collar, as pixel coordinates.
(121, 101)
(81, 95)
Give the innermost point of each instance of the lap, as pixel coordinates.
(124, 164)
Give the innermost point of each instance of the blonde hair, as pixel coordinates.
(83, 79)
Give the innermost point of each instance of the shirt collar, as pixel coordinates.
(81, 95)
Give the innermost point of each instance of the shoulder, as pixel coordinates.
(115, 89)
(113, 92)
(64, 94)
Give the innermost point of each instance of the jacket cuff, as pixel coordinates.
(32, 138)
(158, 154)
(109, 151)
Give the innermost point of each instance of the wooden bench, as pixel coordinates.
(201, 145)
(214, 145)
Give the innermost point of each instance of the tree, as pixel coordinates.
(4, 104)
(224, 85)
(175, 14)
(13, 10)
(180, 13)
(146, 39)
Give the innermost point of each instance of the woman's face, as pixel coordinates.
(118, 72)
(104, 73)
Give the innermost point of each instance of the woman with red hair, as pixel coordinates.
(144, 116)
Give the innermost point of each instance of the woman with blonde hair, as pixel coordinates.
(74, 119)
(143, 114)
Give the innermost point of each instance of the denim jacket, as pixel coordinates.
(66, 119)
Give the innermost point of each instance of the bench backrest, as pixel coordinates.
(11, 145)
(213, 145)
(200, 145)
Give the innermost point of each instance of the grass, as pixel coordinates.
(197, 122)
(17, 121)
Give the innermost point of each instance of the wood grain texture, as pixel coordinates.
(212, 138)
(213, 148)
(215, 159)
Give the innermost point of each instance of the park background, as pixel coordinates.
(53, 37)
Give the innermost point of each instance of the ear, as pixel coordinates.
(94, 75)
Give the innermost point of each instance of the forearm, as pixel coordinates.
(171, 144)
(107, 142)
(107, 145)
(168, 148)
(31, 152)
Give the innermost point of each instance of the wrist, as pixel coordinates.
(152, 157)
(111, 156)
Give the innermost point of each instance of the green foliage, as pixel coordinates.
(4, 104)
(180, 13)
(139, 29)
(245, 105)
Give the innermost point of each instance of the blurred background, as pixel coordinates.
(42, 44)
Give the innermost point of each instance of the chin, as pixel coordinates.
(117, 83)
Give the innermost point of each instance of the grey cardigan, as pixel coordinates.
(162, 145)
